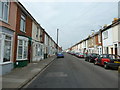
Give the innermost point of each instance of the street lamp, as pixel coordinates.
(57, 39)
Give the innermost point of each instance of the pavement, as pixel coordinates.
(18, 77)
(73, 72)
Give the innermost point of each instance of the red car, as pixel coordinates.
(108, 61)
(80, 55)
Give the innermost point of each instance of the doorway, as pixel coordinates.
(116, 49)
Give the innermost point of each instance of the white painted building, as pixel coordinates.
(116, 38)
(37, 47)
(46, 48)
(107, 39)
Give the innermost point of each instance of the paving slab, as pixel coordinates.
(18, 77)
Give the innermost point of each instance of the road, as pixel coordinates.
(73, 72)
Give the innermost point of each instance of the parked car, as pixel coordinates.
(60, 55)
(91, 57)
(108, 61)
(80, 55)
(76, 54)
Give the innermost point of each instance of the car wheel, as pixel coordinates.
(105, 66)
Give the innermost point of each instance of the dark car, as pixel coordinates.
(108, 61)
(60, 55)
(91, 57)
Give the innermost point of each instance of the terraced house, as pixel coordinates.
(7, 33)
(37, 42)
(105, 41)
(98, 42)
(22, 39)
(111, 38)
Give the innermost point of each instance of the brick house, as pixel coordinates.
(98, 42)
(7, 34)
(23, 34)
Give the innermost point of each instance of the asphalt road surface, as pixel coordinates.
(73, 72)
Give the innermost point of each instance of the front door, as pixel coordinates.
(111, 50)
(116, 49)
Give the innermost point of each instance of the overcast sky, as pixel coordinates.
(75, 20)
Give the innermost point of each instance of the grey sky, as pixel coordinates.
(75, 20)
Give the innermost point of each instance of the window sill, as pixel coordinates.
(4, 63)
(3, 21)
(22, 31)
(21, 59)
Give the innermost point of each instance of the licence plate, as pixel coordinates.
(116, 62)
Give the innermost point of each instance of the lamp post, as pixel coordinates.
(57, 39)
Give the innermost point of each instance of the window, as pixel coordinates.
(36, 48)
(41, 50)
(7, 48)
(22, 23)
(37, 32)
(0, 45)
(99, 38)
(4, 8)
(41, 34)
(22, 49)
(105, 33)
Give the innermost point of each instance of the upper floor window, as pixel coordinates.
(99, 38)
(37, 33)
(4, 9)
(22, 23)
(105, 34)
(41, 36)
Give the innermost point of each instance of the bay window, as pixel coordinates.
(5, 48)
(4, 9)
(38, 50)
(22, 48)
